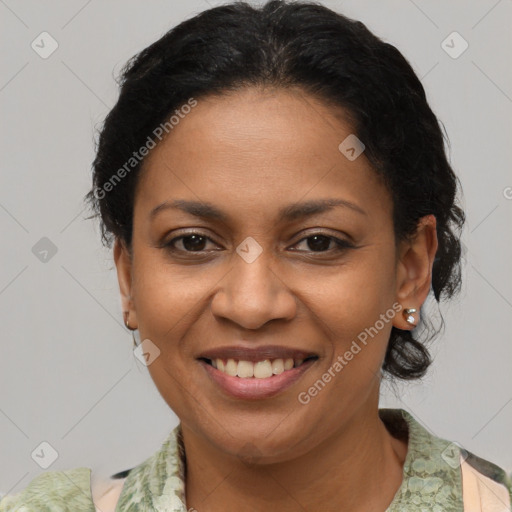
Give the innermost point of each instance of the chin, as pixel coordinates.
(259, 444)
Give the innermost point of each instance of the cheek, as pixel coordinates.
(168, 301)
(355, 304)
(356, 315)
(355, 292)
(166, 296)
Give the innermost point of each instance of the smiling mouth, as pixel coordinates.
(255, 369)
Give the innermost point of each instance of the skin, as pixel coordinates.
(249, 154)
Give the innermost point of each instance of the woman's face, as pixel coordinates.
(267, 281)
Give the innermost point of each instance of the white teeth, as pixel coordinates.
(262, 369)
(288, 364)
(259, 370)
(231, 367)
(245, 369)
(277, 366)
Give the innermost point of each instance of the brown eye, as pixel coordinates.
(194, 242)
(319, 242)
(325, 243)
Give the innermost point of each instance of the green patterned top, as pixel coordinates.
(432, 478)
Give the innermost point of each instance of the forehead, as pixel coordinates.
(257, 147)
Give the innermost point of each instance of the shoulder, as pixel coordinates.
(68, 490)
(106, 491)
(73, 489)
(461, 479)
(485, 484)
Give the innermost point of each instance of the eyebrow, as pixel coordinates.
(290, 212)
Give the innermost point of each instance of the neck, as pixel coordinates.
(358, 468)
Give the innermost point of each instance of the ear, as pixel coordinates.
(123, 261)
(414, 270)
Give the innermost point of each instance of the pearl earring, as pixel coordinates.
(409, 315)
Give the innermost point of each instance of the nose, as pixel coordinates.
(252, 294)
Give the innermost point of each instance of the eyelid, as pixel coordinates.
(343, 238)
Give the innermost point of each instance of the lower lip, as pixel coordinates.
(252, 388)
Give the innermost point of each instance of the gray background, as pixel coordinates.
(67, 372)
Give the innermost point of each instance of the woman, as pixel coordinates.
(276, 192)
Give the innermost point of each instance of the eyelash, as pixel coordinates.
(340, 244)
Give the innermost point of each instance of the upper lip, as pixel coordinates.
(255, 354)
